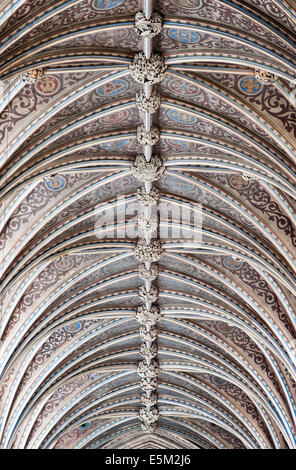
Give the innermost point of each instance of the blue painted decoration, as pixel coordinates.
(249, 85)
(113, 88)
(84, 426)
(230, 263)
(55, 183)
(181, 116)
(218, 381)
(107, 4)
(184, 35)
(73, 327)
(114, 145)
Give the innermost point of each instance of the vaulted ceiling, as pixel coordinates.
(224, 135)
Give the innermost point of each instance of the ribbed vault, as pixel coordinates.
(69, 139)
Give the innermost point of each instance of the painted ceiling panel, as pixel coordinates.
(147, 224)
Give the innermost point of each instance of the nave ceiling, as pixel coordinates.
(225, 133)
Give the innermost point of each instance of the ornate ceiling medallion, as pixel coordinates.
(48, 85)
(150, 70)
(150, 105)
(148, 137)
(149, 402)
(148, 371)
(147, 199)
(147, 427)
(264, 77)
(148, 171)
(148, 274)
(55, 182)
(148, 336)
(113, 88)
(32, 76)
(148, 416)
(148, 353)
(73, 327)
(249, 85)
(147, 316)
(147, 225)
(148, 252)
(184, 35)
(148, 28)
(150, 295)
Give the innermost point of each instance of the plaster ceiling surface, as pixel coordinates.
(220, 370)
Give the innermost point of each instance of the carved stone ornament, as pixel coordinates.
(147, 199)
(147, 225)
(148, 171)
(148, 353)
(32, 76)
(148, 71)
(266, 78)
(148, 371)
(148, 427)
(150, 105)
(150, 137)
(250, 178)
(148, 385)
(149, 402)
(148, 252)
(148, 416)
(149, 296)
(148, 28)
(238, 258)
(148, 336)
(148, 274)
(148, 317)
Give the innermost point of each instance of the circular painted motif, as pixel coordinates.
(114, 145)
(81, 379)
(218, 381)
(188, 3)
(230, 263)
(73, 327)
(181, 87)
(107, 4)
(238, 182)
(178, 184)
(181, 117)
(64, 263)
(113, 88)
(84, 426)
(183, 35)
(224, 328)
(249, 85)
(114, 117)
(55, 183)
(48, 85)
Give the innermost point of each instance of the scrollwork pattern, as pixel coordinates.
(241, 397)
(252, 278)
(207, 9)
